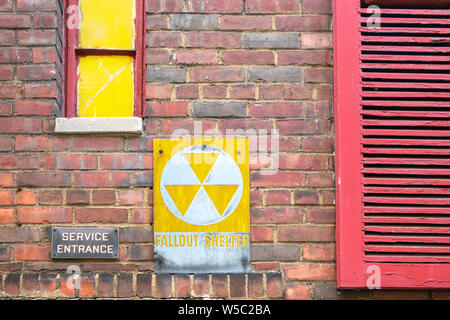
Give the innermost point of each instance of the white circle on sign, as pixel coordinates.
(201, 185)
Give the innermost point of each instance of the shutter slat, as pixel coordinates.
(423, 258)
(443, 152)
(405, 66)
(409, 104)
(373, 131)
(402, 219)
(406, 181)
(405, 210)
(391, 229)
(418, 13)
(400, 57)
(407, 76)
(389, 49)
(413, 30)
(402, 21)
(409, 123)
(407, 249)
(407, 201)
(434, 191)
(400, 239)
(400, 85)
(407, 161)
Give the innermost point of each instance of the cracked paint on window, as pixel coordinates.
(105, 86)
(107, 24)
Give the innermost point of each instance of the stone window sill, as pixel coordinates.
(122, 125)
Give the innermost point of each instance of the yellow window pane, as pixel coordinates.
(105, 86)
(107, 24)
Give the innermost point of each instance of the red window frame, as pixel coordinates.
(72, 54)
(352, 271)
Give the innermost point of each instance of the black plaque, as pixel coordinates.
(85, 243)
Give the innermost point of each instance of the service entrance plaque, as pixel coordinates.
(85, 243)
(202, 205)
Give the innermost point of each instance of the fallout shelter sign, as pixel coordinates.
(202, 206)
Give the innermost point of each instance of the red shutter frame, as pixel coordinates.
(71, 54)
(353, 269)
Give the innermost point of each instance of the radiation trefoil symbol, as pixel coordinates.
(201, 185)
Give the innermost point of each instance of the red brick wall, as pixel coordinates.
(263, 64)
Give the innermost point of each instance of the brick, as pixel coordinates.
(44, 179)
(227, 40)
(186, 125)
(6, 5)
(320, 179)
(6, 215)
(50, 197)
(279, 179)
(157, 56)
(36, 37)
(215, 92)
(26, 198)
(5, 253)
(144, 285)
(182, 286)
(201, 285)
(317, 271)
(106, 179)
(230, 6)
(143, 179)
(166, 109)
(317, 6)
(272, 6)
(7, 39)
(36, 5)
(7, 197)
(316, 41)
(166, 74)
(77, 197)
(32, 253)
(6, 179)
(127, 162)
(320, 215)
(297, 292)
(140, 144)
(131, 197)
(306, 197)
(11, 90)
(274, 285)
(19, 161)
(5, 109)
(304, 23)
(317, 144)
(187, 92)
(103, 197)
(218, 74)
(40, 143)
(237, 286)
(30, 283)
(243, 92)
(318, 252)
(306, 233)
(142, 215)
(44, 215)
(234, 22)
(278, 252)
(271, 40)
(276, 110)
(298, 92)
(240, 126)
(12, 284)
(164, 6)
(219, 109)
(195, 57)
(157, 92)
(34, 108)
(304, 57)
(156, 22)
(135, 234)
(257, 57)
(194, 21)
(255, 285)
(44, 54)
(97, 144)
(13, 55)
(219, 286)
(14, 21)
(105, 287)
(87, 287)
(140, 252)
(101, 215)
(163, 286)
(278, 197)
(44, 21)
(67, 284)
(303, 162)
(318, 75)
(271, 92)
(34, 72)
(291, 127)
(48, 282)
(161, 39)
(274, 74)
(125, 285)
(70, 161)
(262, 234)
(40, 90)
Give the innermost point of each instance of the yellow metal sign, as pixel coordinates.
(202, 205)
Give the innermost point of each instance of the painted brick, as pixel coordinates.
(233, 22)
(219, 109)
(271, 40)
(230, 6)
(194, 22)
(274, 74)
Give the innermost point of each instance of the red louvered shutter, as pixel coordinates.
(392, 107)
